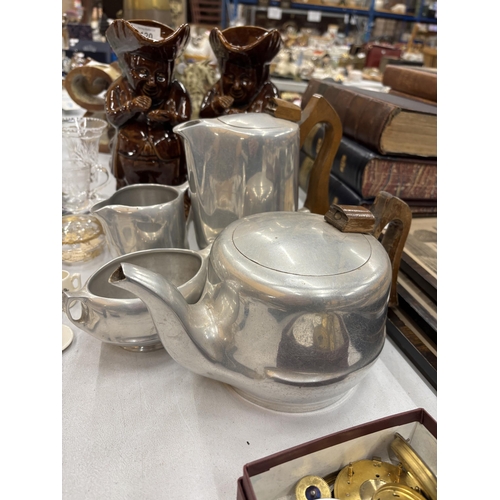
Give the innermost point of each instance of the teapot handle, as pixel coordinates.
(71, 298)
(318, 110)
(387, 212)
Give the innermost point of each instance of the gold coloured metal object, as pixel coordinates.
(415, 466)
(360, 480)
(312, 487)
(393, 491)
(82, 238)
(330, 478)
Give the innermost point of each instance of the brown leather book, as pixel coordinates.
(384, 122)
(413, 81)
(409, 96)
(342, 194)
(367, 173)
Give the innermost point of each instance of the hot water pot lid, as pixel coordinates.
(300, 243)
(256, 121)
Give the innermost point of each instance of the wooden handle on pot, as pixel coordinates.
(318, 110)
(387, 212)
(393, 214)
(285, 110)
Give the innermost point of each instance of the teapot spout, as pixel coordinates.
(189, 332)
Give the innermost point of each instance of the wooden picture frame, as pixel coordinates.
(419, 259)
(412, 344)
(412, 324)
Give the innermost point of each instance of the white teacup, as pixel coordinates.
(71, 281)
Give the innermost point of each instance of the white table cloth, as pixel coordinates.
(138, 426)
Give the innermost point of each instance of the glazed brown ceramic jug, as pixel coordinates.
(145, 103)
(244, 54)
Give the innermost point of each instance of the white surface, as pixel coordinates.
(67, 103)
(140, 426)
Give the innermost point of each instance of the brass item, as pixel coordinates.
(343, 163)
(392, 491)
(82, 238)
(415, 466)
(312, 487)
(330, 478)
(361, 479)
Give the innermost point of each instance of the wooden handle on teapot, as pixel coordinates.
(279, 108)
(394, 215)
(387, 212)
(318, 110)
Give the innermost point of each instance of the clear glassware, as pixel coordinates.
(82, 233)
(82, 238)
(80, 143)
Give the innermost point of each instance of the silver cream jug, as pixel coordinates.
(248, 163)
(143, 217)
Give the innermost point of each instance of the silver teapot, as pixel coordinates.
(294, 306)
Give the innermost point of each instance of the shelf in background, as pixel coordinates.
(301, 7)
(320, 5)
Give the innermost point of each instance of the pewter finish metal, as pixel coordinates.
(239, 165)
(276, 241)
(143, 217)
(286, 340)
(118, 317)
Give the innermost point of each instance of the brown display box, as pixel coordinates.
(275, 476)
(240, 494)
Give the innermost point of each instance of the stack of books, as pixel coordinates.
(389, 143)
(416, 83)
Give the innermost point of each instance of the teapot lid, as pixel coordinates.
(256, 121)
(299, 243)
